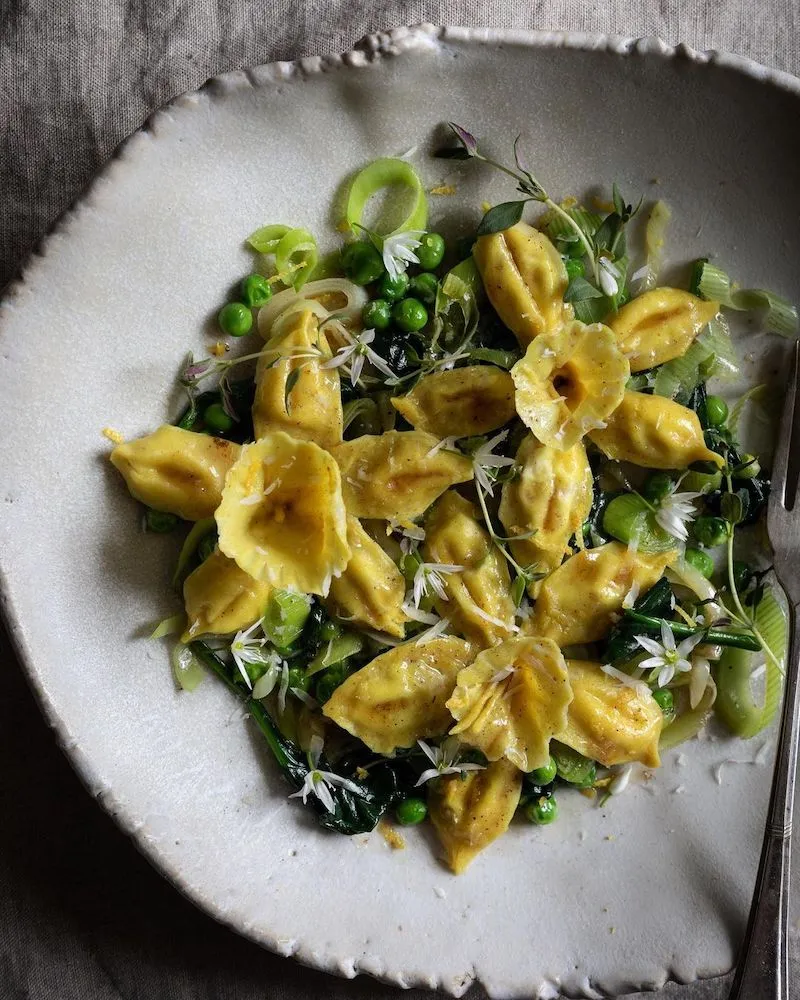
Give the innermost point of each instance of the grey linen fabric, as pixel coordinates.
(82, 915)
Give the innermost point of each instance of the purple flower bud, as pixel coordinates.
(468, 141)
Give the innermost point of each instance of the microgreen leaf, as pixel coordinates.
(502, 216)
(579, 289)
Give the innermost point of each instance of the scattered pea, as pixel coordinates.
(410, 315)
(256, 290)
(392, 289)
(160, 521)
(710, 531)
(542, 811)
(701, 561)
(424, 287)
(657, 486)
(216, 419)
(411, 811)
(235, 319)
(716, 411)
(430, 252)
(575, 268)
(362, 263)
(377, 314)
(545, 774)
(665, 700)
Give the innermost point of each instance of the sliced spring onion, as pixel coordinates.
(629, 518)
(169, 626)
(713, 283)
(334, 652)
(696, 481)
(381, 174)
(198, 531)
(711, 354)
(284, 617)
(654, 234)
(333, 295)
(267, 238)
(736, 705)
(297, 253)
(365, 410)
(186, 667)
(753, 395)
(722, 637)
(556, 227)
(689, 576)
(688, 724)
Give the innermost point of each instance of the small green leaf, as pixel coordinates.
(579, 290)
(291, 382)
(732, 508)
(501, 217)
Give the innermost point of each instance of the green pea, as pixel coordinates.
(235, 319)
(657, 486)
(545, 774)
(430, 252)
(216, 419)
(298, 679)
(742, 575)
(665, 700)
(329, 681)
(748, 468)
(392, 289)
(362, 263)
(377, 314)
(410, 315)
(542, 811)
(710, 531)
(256, 290)
(424, 287)
(701, 561)
(575, 268)
(716, 411)
(160, 521)
(207, 545)
(412, 811)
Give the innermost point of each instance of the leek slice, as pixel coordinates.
(297, 253)
(711, 282)
(736, 705)
(169, 626)
(755, 394)
(199, 530)
(267, 238)
(630, 519)
(335, 651)
(688, 724)
(387, 173)
(186, 667)
(711, 354)
(654, 234)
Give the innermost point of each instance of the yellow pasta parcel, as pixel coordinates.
(512, 700)
(178, 471)
(479, 603)
(459, 403)
(397, 475)
(221, 598)
(371, 589)
(660, 325)
(569, 382)
(525, 280)
(655, 432)
(610, 721)
(312, 408)
(577, 601)
(468, 813)
(551, 497)
(282, 517)
(400, 696)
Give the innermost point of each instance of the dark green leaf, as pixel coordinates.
(503, 359)
(579, 290)
(731, 508)
(619, 202)
(502, 216)
(291, 382)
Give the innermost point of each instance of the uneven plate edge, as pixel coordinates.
(370, 49)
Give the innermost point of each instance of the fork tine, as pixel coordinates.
(783, 485)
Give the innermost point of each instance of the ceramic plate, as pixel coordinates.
(604, 901)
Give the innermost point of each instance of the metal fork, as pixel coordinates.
(762, 971)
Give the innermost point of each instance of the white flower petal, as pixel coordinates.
(650, 645)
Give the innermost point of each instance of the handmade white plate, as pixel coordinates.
(654, 886)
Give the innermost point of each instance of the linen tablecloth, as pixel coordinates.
(82, 914)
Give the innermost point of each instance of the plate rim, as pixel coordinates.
(370, 49)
